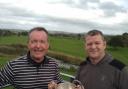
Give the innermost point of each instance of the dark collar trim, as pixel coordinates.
(106, 59)
(30, 60)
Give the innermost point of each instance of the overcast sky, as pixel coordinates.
(109, 16)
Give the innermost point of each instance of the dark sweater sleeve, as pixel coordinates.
(124, 78)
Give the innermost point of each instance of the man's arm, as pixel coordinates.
(6, 76)
(124, 78)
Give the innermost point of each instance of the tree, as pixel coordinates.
(125, 39)
(119, 40)
(116, 41)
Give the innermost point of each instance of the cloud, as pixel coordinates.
(76, 16)
(110, 9)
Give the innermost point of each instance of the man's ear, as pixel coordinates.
(105, 44)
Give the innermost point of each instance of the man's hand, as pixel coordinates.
(79, 87)
(52, 85)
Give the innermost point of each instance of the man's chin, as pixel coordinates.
(38, 59)
(94, 56)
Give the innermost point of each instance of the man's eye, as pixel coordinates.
(97, 43)
(34, 41)
(43, 41)
(89, 44)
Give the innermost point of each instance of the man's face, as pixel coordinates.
(38, 45)
(95, 46)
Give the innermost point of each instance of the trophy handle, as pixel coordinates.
(78, 84)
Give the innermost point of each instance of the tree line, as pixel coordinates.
(113, 40)
(119, 40)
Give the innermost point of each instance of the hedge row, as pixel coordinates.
(19, 49)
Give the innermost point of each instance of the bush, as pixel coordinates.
(13, 49)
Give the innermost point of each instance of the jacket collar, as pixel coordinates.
(106, 59)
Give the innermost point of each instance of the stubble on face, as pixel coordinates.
(95, 47)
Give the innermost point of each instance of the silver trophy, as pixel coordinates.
(67, 85)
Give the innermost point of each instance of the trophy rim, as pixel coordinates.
(65, 85)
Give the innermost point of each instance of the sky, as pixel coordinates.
(75, 16)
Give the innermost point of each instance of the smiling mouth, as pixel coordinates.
(38, 50)
(92, 51)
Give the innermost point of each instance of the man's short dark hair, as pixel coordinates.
(38, 29)
(95, 32)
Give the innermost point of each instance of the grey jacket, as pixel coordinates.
(109, 73)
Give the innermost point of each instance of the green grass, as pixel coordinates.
(4, 59)
(120, 54)
(7, 40)
(71, 46)
(66, 78)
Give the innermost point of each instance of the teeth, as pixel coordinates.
(37, 50)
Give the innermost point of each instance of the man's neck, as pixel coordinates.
(97, 60)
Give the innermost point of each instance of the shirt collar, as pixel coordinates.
(31, 61)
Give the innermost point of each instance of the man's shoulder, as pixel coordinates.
(83, 63)
(117, 64)
(51, 60)
(19, 59)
